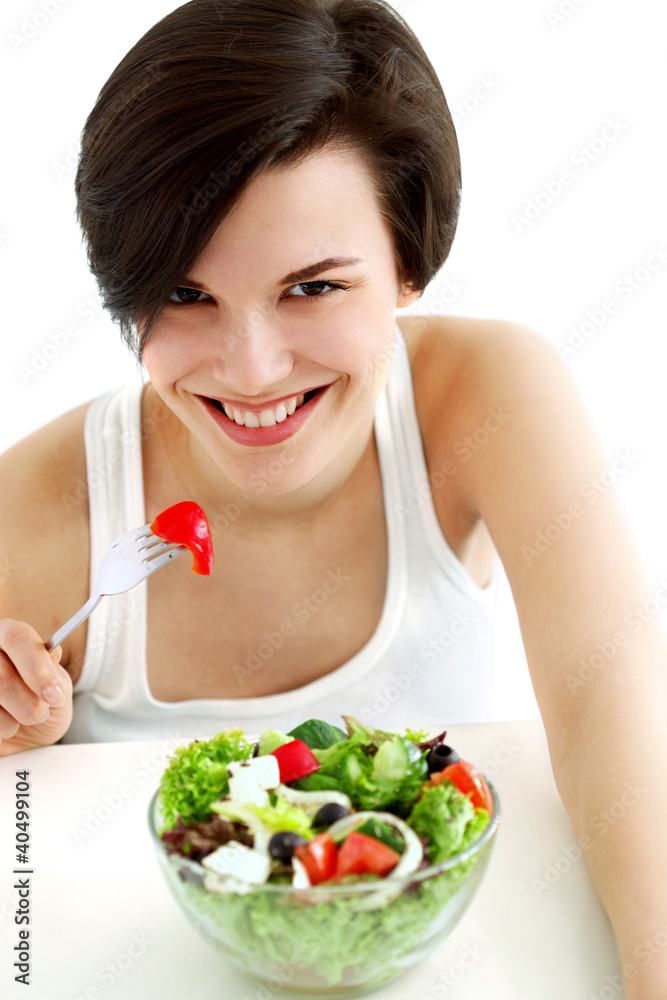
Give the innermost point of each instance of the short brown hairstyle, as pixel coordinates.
(219, 90)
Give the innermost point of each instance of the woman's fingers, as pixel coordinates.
(33, 685)
(8, 725)
(54, 693)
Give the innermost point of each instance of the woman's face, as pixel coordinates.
(256, 330)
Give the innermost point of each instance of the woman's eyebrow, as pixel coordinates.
(314, 269)
(303, 274)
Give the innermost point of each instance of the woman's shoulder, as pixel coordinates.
(475, 377)
(47, 461)
(459, 363)
(447, 347)
(45, 539)
(464, 371)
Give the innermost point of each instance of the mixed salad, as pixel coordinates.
(320, 805)
(330, 809)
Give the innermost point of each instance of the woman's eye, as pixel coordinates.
(310, 290)
(316, 287)
(190, 296)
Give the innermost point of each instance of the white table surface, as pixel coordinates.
(104, 926)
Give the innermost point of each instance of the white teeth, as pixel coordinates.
(268, 417)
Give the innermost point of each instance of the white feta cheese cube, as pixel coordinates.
(240, 862)
(264, 770)
(244, 791)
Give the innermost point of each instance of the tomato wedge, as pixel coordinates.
(318, 857)
(185, 523)
(295, 760)
(360, 853)
(467, 779)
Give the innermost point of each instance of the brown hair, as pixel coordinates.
(219, 90)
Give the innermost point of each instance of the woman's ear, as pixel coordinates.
(406, 296)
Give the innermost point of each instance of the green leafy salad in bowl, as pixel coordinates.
(323, 861)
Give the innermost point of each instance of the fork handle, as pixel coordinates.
(74, 622)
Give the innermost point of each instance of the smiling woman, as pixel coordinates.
(261, 185)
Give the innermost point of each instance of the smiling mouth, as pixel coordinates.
(308, 395)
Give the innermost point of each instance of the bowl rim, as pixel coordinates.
(326, 889)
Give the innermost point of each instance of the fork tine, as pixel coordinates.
(159, 561)
(151, 542)
(148, 554)
(144, 532)
(132, 536)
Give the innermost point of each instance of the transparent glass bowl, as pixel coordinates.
(329, 941)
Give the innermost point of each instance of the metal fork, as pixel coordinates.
(131, 559)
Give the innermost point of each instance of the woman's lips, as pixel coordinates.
(263, 435)
(271, 405)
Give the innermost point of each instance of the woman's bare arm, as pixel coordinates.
(44, 557)
(595, 651)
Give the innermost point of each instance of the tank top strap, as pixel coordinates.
(114, 470)
(417, 510)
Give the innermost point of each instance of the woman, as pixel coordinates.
(261, 186)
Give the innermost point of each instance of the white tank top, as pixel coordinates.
(428, 663)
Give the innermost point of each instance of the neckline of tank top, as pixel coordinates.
(395, 590)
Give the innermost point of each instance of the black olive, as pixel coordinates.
(283, 843)
(441, 756)
(329, 813)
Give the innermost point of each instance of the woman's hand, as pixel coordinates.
(35, 691)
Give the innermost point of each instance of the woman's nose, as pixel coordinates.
(251, 355)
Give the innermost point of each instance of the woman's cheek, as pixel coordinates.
(372, 363)
(172, 351)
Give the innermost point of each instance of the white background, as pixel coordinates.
(552, 81)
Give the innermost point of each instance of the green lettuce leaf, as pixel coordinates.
(447, 820)
(270, 740)
(416, 735)
(283, 816)
(197, 776)
(377, 770)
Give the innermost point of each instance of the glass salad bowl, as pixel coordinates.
(328, 940)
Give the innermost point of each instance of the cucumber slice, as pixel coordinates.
(350, 769)
(391, 762)
(270, 740)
